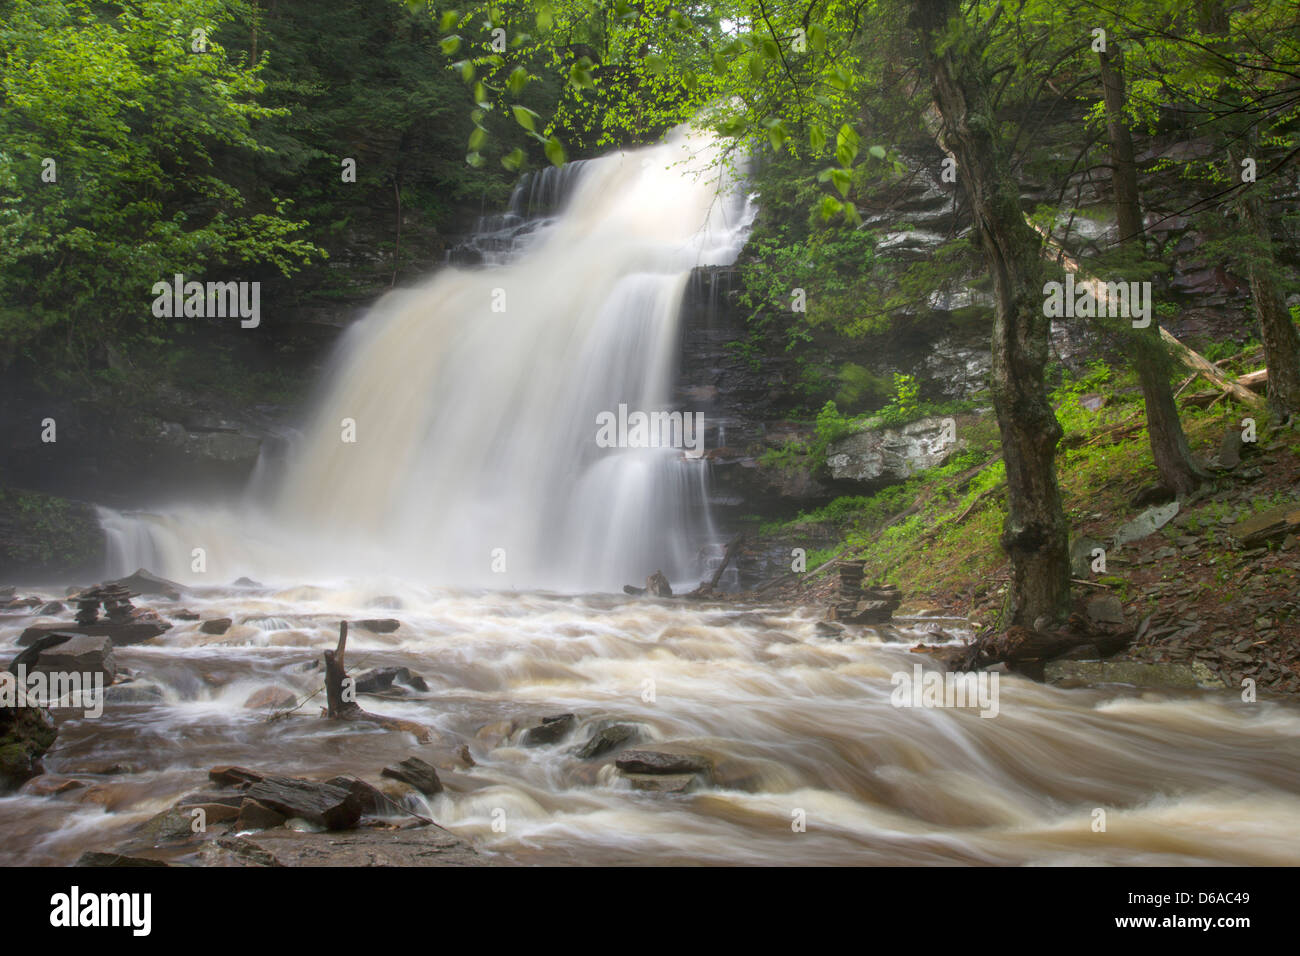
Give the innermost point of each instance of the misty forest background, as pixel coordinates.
(1163, 151)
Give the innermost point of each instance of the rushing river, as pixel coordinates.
(454, 442)
(795, 724)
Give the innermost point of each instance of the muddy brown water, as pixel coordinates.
(797, 726)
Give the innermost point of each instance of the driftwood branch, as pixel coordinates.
(705, 589)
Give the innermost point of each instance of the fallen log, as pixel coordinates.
(340, 694)
(1205, 368)
(1024, 648)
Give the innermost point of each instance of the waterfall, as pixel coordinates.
(455, 437)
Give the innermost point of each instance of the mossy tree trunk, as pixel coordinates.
(1034, 535)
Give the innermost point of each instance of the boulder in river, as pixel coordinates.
(145, 582)
(271, 698)
(378, 625)
(418, 774)
(551, 730)
(607, 739)
(216, 625)
(382, 678)
(134, 632)
(80, 653)
(255, 815)
(661, 762)
(332, 807)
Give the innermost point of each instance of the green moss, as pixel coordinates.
(45, 533)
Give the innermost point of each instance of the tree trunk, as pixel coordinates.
(1281, 344)
(1034, 535)
(1173, 458)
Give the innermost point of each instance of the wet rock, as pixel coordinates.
(145, 582)
(657, 585)
(382, 678)
(255, 815)
(660, 762)
(246, 583)
(607, 739)
(232, 776)
(225, 798)
(184, 614)
(418, 774)
(412, 846)
(828, 629)
(80, 654)
(121, 635)
(97, 858)
(378, 625)
(216, 625)
(551, 730)
(332, 807)
(496, 733)
(49, 785)
(210, 813)
(662, 783)
(271, 698)
(53, 607)
(373, 800)
(134, 692)
(171, 826)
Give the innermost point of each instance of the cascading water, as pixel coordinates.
(473, 402)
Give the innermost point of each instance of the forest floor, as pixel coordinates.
(1190, 591)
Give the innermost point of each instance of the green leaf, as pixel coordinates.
(450, 44)
(545, 20)
(841, 179)
(517, 81)
(477, 139)
(846, 145)
(817, 137)
(877, 151)
(466, 68)
(480, 95)
(656, 65)
(830, 207)
(580, 74)
(513, 160)
(776, 133)
(449, 20)
(525, 117)
(474, 159)
(555, 151)
(817, 36)
(720, 64)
